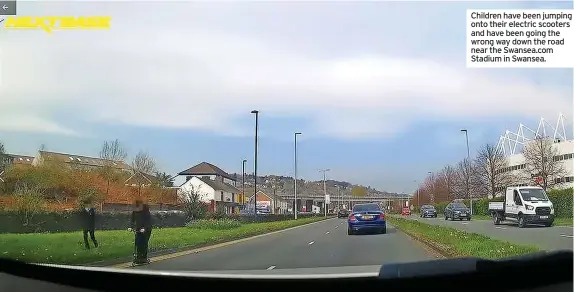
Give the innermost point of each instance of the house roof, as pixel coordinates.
(206, 168)
(141, 177)
(83, 160)
(20, 159)
(219, 186)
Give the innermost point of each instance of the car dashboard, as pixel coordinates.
(491, 274)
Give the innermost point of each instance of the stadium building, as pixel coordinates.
(512, 144)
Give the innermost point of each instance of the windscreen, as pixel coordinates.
(366, 208)
(533, 194)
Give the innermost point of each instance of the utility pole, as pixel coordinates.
(468, 170)
(295, 183)
(243, 181)
(256, 112)
(324, 171)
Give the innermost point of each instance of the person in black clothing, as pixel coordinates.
(88, 217)
(141, 225)
(147, 231)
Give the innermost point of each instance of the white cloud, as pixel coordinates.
(189, 76)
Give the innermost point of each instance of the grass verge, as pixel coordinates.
(68, 248)
(456, 243)
(557, 221)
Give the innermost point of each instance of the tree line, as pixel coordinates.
(489, 173)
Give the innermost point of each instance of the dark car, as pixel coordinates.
(428, 211)
(457, 211)
(343, 213)
(366, 217)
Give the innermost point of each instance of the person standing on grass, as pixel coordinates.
(148, 228)
(88, 218)
(139, 221)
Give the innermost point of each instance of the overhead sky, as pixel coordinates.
(379, 89)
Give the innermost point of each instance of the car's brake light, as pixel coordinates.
(382, 216)
(352, 217)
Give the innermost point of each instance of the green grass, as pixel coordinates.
(460, 243)
(68, 248)
(557, 221)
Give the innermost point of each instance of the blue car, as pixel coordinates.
(366, 217)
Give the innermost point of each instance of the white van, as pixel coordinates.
(524, 205)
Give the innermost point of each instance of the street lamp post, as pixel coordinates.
(256, 112)
(295, 186)
(243, 181)
(468, 169)
(339, 193)
(324, 171)
(432, 187)
(417, 194)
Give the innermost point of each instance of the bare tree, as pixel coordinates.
(540, 160)
(3, 158)
(111, 152)
(465, 179)
(143, 163)
(142, 166)
(489, 165)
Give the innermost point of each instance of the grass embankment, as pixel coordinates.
(68, 248)
(557, 221)
(455, 243)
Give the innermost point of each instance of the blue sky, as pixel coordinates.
(379, 89)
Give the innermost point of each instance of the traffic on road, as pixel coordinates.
(323, 244)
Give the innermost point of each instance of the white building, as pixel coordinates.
(213, 185)
(511, 144)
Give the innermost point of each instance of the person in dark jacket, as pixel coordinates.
(88, 218)
(148, 227)
(141, 225)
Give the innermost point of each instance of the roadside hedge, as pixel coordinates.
(561, 199)
(13, 222)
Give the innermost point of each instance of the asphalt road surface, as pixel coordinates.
(546, 238)
(322, 244)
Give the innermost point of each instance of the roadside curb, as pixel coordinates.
(178, 252)
(434, 247)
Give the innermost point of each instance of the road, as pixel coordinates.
(547, 238)
(322, 244)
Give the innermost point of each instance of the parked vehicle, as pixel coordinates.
(457, 211)
(406, 211)
(428, 211)
(343, 213)
(524, 205)
(366, 217)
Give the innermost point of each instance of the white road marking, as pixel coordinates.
(327, 232)
(464, 223)
(311, 242)
(271, 268)
(498, 227)
(566, 235)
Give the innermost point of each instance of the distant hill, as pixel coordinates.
(285, 185)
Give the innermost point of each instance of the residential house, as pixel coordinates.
(78, 161)
(213, 186)
(15, 159)
(141, 179)
(269, 204)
